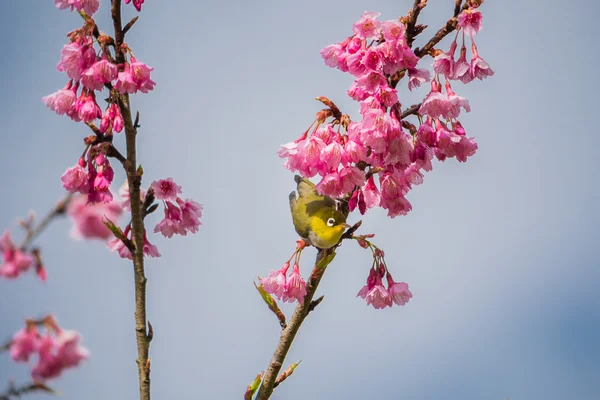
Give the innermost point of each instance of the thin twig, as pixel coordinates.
(137, 222)
(413, 15)
(58, 210)
(443, 31)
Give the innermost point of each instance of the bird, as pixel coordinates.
(315, 217)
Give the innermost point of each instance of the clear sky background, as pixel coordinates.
(500, 253)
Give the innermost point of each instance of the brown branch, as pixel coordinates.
(414, 109)
(130, 24)
(443, 31)
(413, 15)
(137, 223)
(58, 210)
(324, 257)
(17, 392)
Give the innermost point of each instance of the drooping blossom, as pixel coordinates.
(76, 178)
(24, 344)
(480, 69)
(470, 21)
(14, 260)
(90, 7)
(62, 101)
(166, 189)
(101, 72)
(295, 287)
(117, 245)
(136, 3)
(398, 291)
(75, 58)
(368, 26)
(275, 282)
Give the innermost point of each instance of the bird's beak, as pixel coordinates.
(347, 226)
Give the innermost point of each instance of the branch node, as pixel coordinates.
(315, 303)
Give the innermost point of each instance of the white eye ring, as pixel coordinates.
(330, 222)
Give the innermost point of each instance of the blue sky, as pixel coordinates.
(500, 253)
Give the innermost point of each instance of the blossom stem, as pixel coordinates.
(137, 223)
(59, 209)
(450, 25)
(324, 257)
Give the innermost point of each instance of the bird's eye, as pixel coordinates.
(330, 222)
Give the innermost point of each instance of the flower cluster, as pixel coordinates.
(15, 261)
(181, 216)
(57, 349)
(117, 245)
(91, 177)
(374, 292)
(378, 147)
(91, 73)
(287, 288)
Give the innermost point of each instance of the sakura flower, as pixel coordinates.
(275, 282)
(470, 21)
(371, 193)
(166, 189)
(15, 261)
(87, 108)
(23, 344)
(436, 103)
(141, 75)
(367, 27)
(462, 68)
(125, 82)
(295, 287)
(416, 77)
(98, 74)
(126, 200)
(398, 291)
(88, 219)
(393, 31)
(90, 7)
(480, 69)
(76, 178)
(455, 103)
(136, 3)
(62, 101)
(191, 212)
(375, 293)
(331, 54)
(443, 63)
(171, 224)
(117, 245)
(57, 354)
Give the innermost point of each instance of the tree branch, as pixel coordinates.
(137, 222)
(324, 257)
(58, 210)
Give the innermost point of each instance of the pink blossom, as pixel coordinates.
(101, 72)
(443, 63)
(354, 152)
(275, 282)
(374, 292)
(191, 212)
(416, 77)
(373, 59)
(470, 21)
(370, 82)
(426, 133)
(117, 245)
(89, 6)
(367, 27)
(57, 354)
(76, 178)
(87, 108)
(75, 59)
(141, 75)
(331, 54)
(88, 218)
(125, 82)
(371, 279)
(355, 63)
(398, 291)
(62, 101)
(371, 193)
(309, 153)
(331, 185)
(351, 176)
(295, 287)
(399, 147)
(456, 102)
(171, 224)
(436, 103)
(166, 189)
(387, 96)
(422, 157)
(331, 156)
(393, 31)
(480, 69)
(462, 69)
(136, 3)
(24, 343)
(15, 261)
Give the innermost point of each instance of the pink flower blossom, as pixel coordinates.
(117, 245)
(171, 224)
(393, 31)
(374, 292)
(331, 156)
(367, 27)
(76, 178)
(373, 59)
(57, 354)
(15, 261)
(443, 63)
(75, 59)
(87, 108)
(455, 102)
(23, 344)
(470, 21)
(62, 101)
(462, 69)
(141, 75)
(387, 96)
(355, 63)
(275, 282)
(101, 72)
(480, 69)
(125, 82)
(166, 189)
(89, 6)
(295, 287)
(88, 218)
(398, 291)
(136, 3)
(371, 193)
(191, 212)
(331, 185)
(331, 54)
(416, 77)
(436, 103)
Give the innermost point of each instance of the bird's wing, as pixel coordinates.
(305, 187)
(292, 198)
